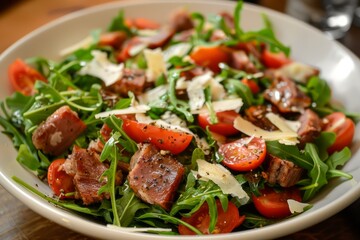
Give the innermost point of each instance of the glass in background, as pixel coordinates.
(333, 17)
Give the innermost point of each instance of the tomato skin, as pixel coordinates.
(272, 204)
(343, 127)
(23, 77)
(225, 125)
(59, 181)
(244, 154)
(164, 139)
(124, 53)
(254, 87)
(226, 222)
(210, 57)
(142, 23)
(113, 39)
(274, 60)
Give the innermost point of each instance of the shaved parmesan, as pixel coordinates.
(195, 90)
(179, 50)
(298, 71)
(218, 91)
(155, 62)
(296, 207)
(251, 130)
(222, 105)
(223, 178)
(129, 110)
(279, 122)
(85, 43)
(102, 68)
(153, 94)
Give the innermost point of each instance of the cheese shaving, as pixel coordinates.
(155, 62)
(102, 68)
(296, 207)
(85, 43)
(250, 129)
(129, 110)
(222, 105)
(195, 90)
(298, 71)
(223, 178)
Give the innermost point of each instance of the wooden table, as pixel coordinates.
(19, 222)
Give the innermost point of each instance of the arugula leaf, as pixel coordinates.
(111, 153)
(178, 105)
(118, 24)
(234, 86)
(26, 158)
(289, 152)
(128, 205)
(323, 142)
(317, 174)
(319, 91)
(237, 19)
(338, 159)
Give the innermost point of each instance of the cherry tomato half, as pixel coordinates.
(23, 77)
(164, 139)
(273, 204)
(225, 125)
(210, 57)
(244, 154)
(59, 181)
(254, 87)
(343, 127)
(226, 221)
(274, 60)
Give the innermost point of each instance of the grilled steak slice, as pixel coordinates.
(155, 177)
(181, 20)
(133, 80)
(55, 135)
(283, 172)
(310, 127)
(240, 60)
(286, 96)
(256, 115)
(87, 169)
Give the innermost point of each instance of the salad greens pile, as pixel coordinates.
(83, 93)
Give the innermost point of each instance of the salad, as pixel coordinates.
(191, 127)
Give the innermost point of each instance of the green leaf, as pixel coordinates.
(319, 91)
(27, 159)
(213, 213)
(236, 87)
(237, 19)
(118, 24)
(317, 174)
(323, 142)
(127, 206)
(198, 153)
(289, 152)
(338, 159)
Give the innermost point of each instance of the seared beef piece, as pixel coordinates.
(310, 127)
(286, 96)
(109, 97)
(160, 39)
(87, 170)
(282, 172)
(133, 80)
(241, 61)
(256, 115)
(250, 48)
(228, 19)
(155, 177)
(184, 36)
(55, 135)
(181, 20)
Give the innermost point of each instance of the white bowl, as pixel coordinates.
(338, 65)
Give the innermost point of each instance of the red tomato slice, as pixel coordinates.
(274, 60)
(254, 87)
(59, 181)
(113, 39)
(225, 125)
(210, 57)
(124, 54)
(226, 221)
(343, 127)
(244, 154)
(164, 139)
(273, 204)
(142, 23)
(23, 77)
